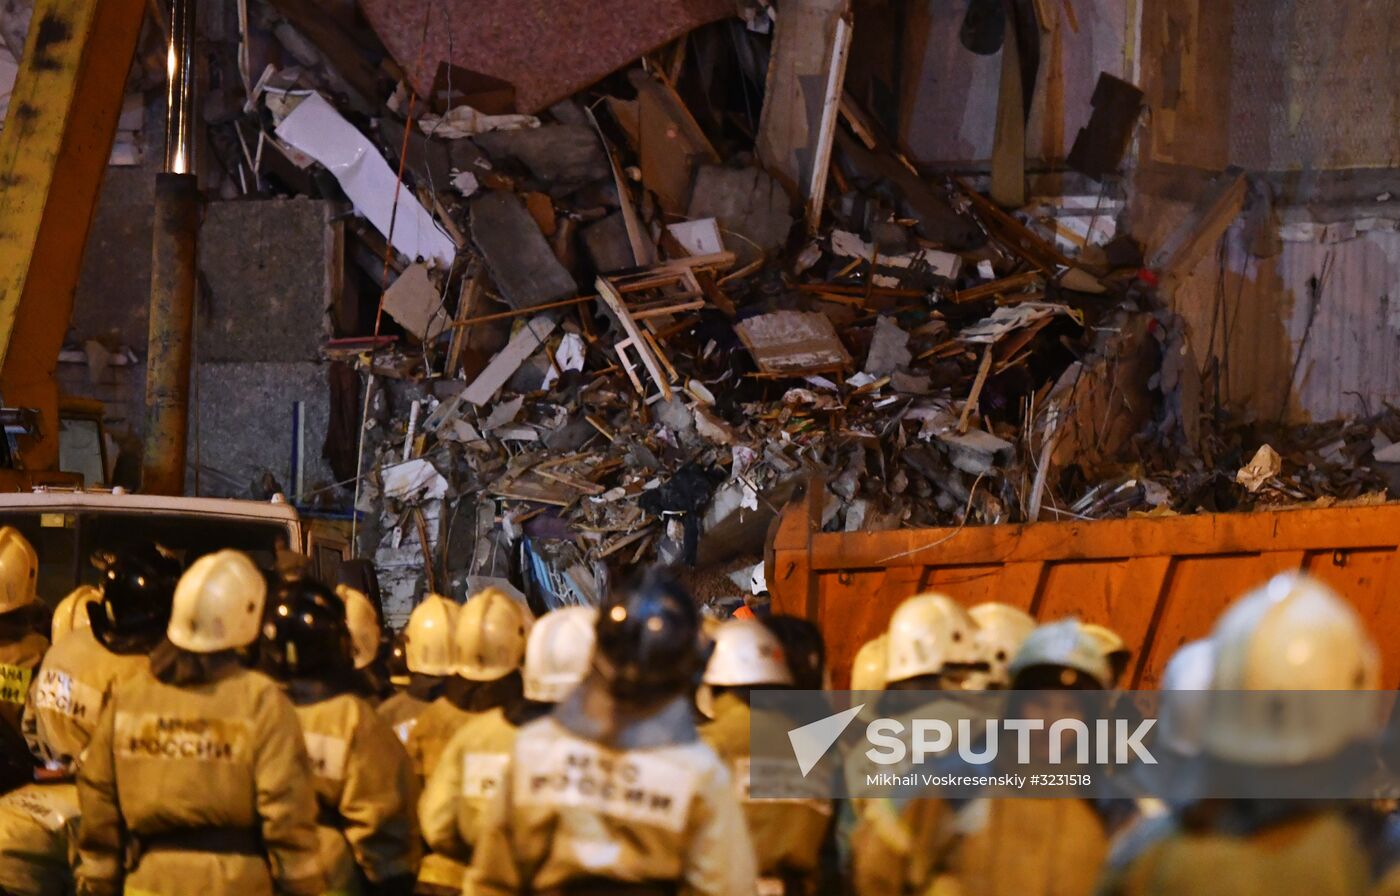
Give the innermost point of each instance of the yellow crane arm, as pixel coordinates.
(53, 153)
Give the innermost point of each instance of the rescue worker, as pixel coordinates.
(364, 782)
(430, 658)
(997, 846)
(1001, 630)
(1293, 634)
(38, 822)
(557, 656)
(72, 612)
(614, 792)
(366, 639)
(21, 647)
(196, 779)
(787, 834)
(490, 645)
(1181, 718)
(867, 674)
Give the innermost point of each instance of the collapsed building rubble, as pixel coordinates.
(612, 332)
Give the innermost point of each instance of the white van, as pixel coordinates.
(67, 526)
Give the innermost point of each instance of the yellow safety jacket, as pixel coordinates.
(365, 788)
(168, 765)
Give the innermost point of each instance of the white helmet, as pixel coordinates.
(1113, 647)
(72, 613)
(928, 633)
(1185, 698)
(1066, 644)
(19, 570)
(559, 652)
(363, 623)
(1293, 634)
(1001, 629)
(490, 636)
(746, 654)
(428, 636)
(218, 604)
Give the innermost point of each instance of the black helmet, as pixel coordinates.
(649, 639)
(304, 634)
(804, 648)
(138, 585)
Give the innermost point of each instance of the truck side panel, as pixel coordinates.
(1158, 582)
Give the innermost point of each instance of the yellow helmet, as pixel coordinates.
(218, 604)
(490, 636)
(19, 570)
(363, 622)
(428, 646)
(868, 669)
(72, 613)
(1001, 630)
(1113, 647)
(928, 633)
(1292, 634)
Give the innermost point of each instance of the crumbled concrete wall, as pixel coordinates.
(271, 269)
(241, 426)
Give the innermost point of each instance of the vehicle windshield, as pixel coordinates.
(65, 541)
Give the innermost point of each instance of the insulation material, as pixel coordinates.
(546, 50)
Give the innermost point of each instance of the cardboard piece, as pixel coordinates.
(414, 302)
(793, 342)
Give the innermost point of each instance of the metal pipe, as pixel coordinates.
(180, 89)
(174, 246)
(171, 333)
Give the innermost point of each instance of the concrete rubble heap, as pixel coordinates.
(614, 332)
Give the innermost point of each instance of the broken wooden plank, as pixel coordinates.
(671, 143)
(799, 73)
(521, 312)
(1008, 187)
(642, 249)
(997, 287)
(527, 340)
(1201, 229)
(1013, 234)
(601, 427)
(859, 123)
(826, 129)
(976, 393)
(467, 298)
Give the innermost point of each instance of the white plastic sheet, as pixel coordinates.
(315, 128)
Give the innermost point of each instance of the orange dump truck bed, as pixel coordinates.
(1157, 582)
